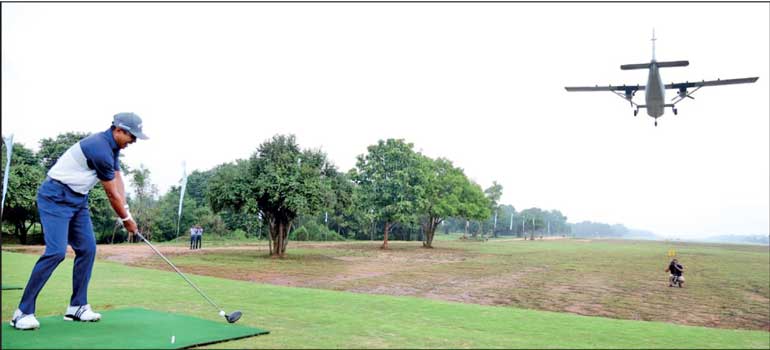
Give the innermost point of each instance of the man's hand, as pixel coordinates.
(130, 225)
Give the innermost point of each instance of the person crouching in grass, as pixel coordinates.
(676, 270)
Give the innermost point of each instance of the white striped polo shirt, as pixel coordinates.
(92, 159)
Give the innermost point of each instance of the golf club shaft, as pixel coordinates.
(179, 272)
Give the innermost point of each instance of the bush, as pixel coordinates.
(312, 231)
(299, 234)
(237, 234)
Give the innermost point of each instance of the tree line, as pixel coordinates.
(283, 192)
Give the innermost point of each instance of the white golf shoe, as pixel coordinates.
(24, 322)
(81, 313)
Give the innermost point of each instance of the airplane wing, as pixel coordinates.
(624, 88)
(697, 84)
(625, 92)
(682, 87)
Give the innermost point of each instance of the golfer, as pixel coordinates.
(62, 201)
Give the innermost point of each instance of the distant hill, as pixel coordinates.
(753, 239)
(641, 234)
(589, 229)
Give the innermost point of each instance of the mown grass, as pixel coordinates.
(728, 286)
(313, 318)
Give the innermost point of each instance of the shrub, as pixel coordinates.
(312, 231)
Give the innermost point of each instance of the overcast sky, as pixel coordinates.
(480, 84)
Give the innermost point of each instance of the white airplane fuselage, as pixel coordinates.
(655, 93)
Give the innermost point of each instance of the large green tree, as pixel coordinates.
(164, 224)
(339, 203)
(25, 176)
(278, 182)
(143, 204)
(21, 155)
(443, 195)
(493, 194)
(197, 182)
(477, 206)
(389, 177)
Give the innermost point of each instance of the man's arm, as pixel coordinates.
(121, 186)
(116, 194)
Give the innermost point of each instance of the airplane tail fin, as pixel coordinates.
(656, 63)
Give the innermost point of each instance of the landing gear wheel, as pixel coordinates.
(675, 111)
(656, 123)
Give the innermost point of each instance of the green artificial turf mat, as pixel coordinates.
(7, 287)
(134, 328)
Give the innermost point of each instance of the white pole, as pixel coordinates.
(8, 152)
(511, 227)
(181, 197)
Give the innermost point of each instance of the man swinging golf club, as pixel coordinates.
(62, 201)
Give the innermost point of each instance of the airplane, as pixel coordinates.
(655, 90)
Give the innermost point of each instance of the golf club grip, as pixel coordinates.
(177, 270)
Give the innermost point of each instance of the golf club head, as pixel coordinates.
(233, 317)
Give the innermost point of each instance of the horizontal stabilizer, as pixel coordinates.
(635, 66)
(659, 64)
(673, 64)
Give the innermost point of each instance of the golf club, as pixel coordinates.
(231, 318)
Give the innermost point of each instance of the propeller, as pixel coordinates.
(630, 93)
(682, 94)
(682, 97)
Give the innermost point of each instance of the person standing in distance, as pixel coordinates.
(62, 202)
(199, 239)
(193, 232)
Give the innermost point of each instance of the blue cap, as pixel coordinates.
(129, 122)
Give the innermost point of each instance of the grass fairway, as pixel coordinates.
(728, 286)
(313, 318)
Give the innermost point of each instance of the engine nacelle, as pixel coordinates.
(682, 93)
(630, 94)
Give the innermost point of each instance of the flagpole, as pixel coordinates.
(8, 151)
(181, 198)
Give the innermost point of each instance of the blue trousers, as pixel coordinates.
(65, 219)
